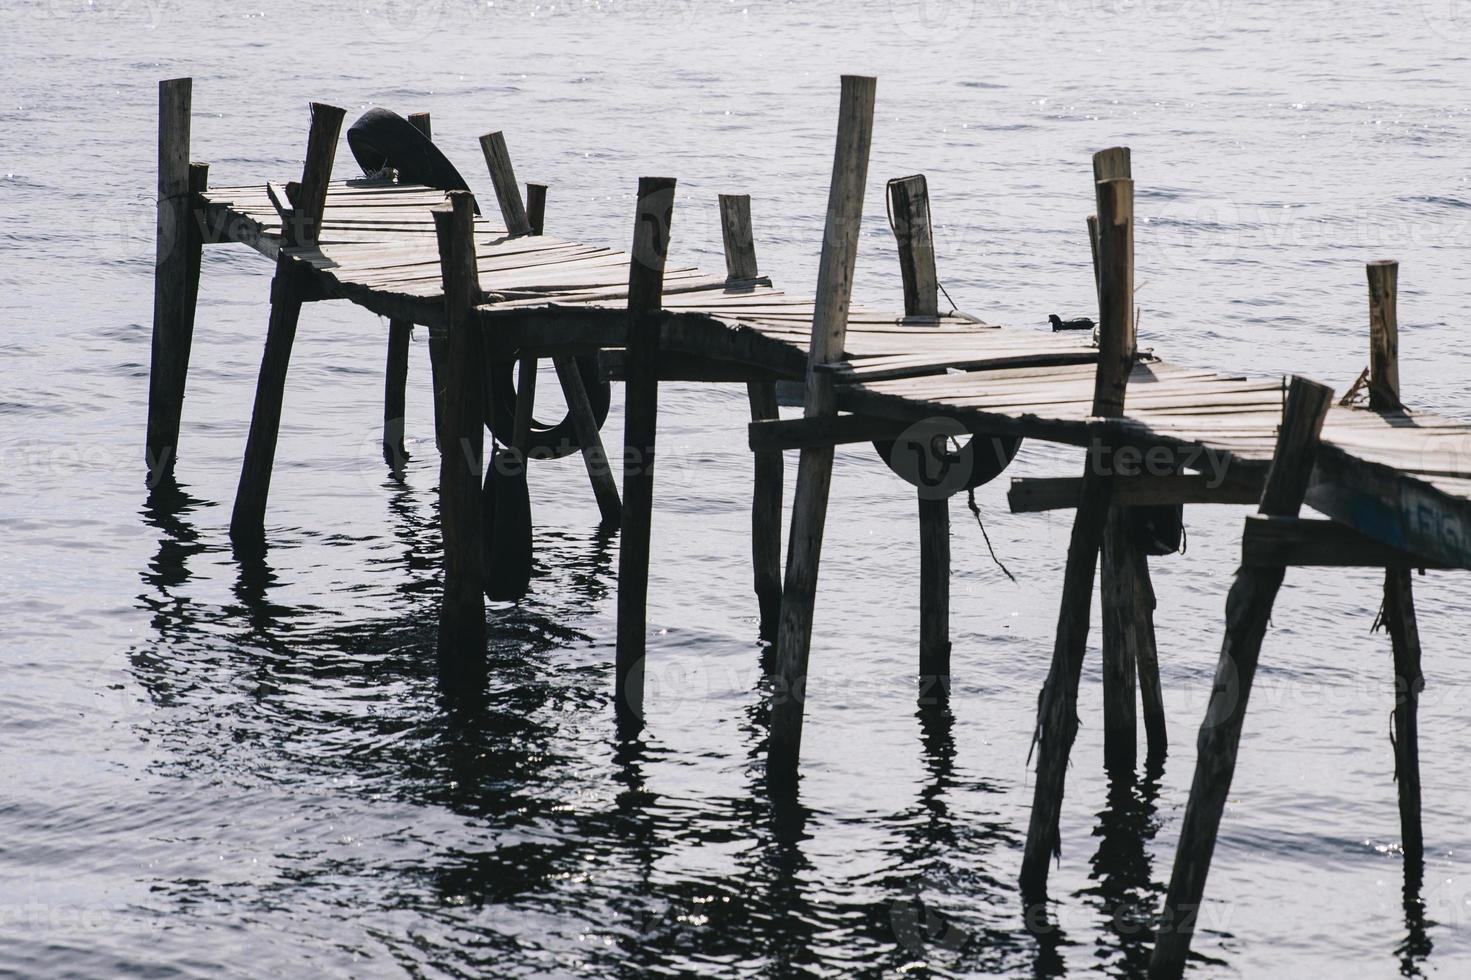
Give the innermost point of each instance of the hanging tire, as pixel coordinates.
(546, 441)
(923, 457)
(382, 138)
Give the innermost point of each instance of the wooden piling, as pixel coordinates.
(462, 611)
(396, 374)
(738, 237)
(1126, 592)
(814, 469)
(1399, 595)
(1057, 721)
(909, 205)
(536, 207)
(740, 265)
(507, 191)
(645, 298)
(177, 242)
(1248, 608)
(288, 292)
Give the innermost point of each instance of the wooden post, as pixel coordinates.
(177, 244)
(400, 334)
(462, 611)
(507, 191)
(1248, 608)
(288, 288)
(645, 299)
(536, 207)
(740, 265)
(1057, 721)
(909, 204)
(1399, 595)
(815, 467)
(1127, 593)
(739, 239)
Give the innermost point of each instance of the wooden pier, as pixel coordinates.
(497, 294)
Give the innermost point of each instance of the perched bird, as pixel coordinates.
(1058, 323)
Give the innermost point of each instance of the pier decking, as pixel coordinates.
(1394, 484)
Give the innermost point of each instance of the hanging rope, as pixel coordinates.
(976, 510)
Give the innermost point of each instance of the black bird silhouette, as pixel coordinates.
(1058, 323)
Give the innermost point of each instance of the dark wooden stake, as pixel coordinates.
(740, 266)
(1057, 719)
(1399, 595)
(288, 291)
(1248, 608)
(178, 241)
(400, 334)
(909, 204)
(645, 298)
(507, 191)
(462, 612)
(815, 467)
(536, 207)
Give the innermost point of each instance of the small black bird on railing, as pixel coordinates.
(1058, 323)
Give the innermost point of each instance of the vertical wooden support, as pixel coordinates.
(507, 191)
(815, 467)
(536, 207)
(1248, 608)
(462, 611)
(645, 299)
(738, 236)
(934, 596)
(766, 515)
(177, 243)
(1399, 595)
(288, 290)
(1057, 720)
(740, 265)
(909, 203)
(396, 374)
(1127, 594)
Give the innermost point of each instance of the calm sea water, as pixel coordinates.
(210, 768)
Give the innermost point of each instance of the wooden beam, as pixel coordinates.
(1300, 541)
(822, 431)
(1248, 609)
(814, 470)
(507, 191)
(1383, 335)
(645, 297)
(288, 291)
(1057, 720)
(462, 610)
(1030, 495)
(679, 366)
(176, 235)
